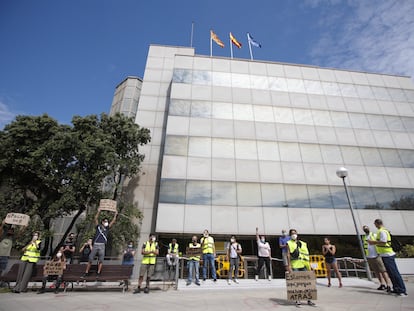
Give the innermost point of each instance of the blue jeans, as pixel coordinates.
(208, 259)
(395, 276)
(193, 264)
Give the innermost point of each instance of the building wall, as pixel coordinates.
(240, 144)
(126, 97)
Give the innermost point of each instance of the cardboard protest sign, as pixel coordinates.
(193, 252)
(17, 219)
(53, 267)
(301, 285)
(107, 205)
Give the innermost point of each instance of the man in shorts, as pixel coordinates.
(99, 242)
(375, 261)
(149, 251)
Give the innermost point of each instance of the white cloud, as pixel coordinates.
(6, 116)
(375, 36)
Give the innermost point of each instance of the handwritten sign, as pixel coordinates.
(53, 267)
(193, 251)
(107, 205)
(301, 285)
(17, 219)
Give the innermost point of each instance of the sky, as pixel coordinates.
(65, 58)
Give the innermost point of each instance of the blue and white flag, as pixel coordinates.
(252, 41)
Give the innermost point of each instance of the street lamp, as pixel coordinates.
(342, 172)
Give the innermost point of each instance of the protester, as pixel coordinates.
(69, 248)
(6, 244)
(283, 246)
(264, 253)
(384, 249)
(129, 253)
(233, 255)
(150, 251)
(58, 258)
(329, 251)
(375, 261)
(193, 262)
(29, 259)
(99, 242)
(298, 257)
(85, 251)
(172, 255)
(209, 255)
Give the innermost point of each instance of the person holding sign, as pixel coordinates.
(53, 268)
(193, 261)
(99, 242)
(29, 259)
(298, 256)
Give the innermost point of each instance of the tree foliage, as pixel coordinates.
(50, 170)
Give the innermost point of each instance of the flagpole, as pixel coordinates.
(231, 48)
(192, 33)
(250, 47)
(211, 45)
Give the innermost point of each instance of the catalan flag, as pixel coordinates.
(216, 39)
(234, 41)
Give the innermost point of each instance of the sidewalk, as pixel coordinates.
(249, 295)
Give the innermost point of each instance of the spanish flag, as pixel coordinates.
(216, 39)
(234, 41)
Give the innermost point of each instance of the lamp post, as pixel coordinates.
(342, 172)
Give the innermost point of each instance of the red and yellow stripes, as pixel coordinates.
(216, 39)
(234, 41)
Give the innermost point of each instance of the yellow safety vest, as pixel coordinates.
(150, 258)
(191, 245)
(386, 248)
(173, 250)
(364, 239)
(32, 253)
(208, 245)
(302, 261)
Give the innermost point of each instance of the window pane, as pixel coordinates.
(176, 145)
(340, 119)
(243, 112)
(201, 77)
(222, 111)
(408, 123)
(405, 199)
(381, 93)
(320, 197)
(172, 191)
(407, 158)
(362, 197)
(390, 157)
(199, 147)
(339, 197)
(351, 155)
(273, 195)
(311, 153)
(248, 194)
(198, 192)
(359, 120)
(201, 109)
(297, 196)
(182, 76)
(331, 154)
(376, 122)
(371, 156)
(221, 79)
(384, 197)
(224, 193)
(394, 123)
(179, 108)
(277, 84)
(283, 115)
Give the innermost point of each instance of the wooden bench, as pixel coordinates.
(74, 272)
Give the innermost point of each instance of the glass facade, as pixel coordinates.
(264, 140)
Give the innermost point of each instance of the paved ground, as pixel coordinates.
(357, 294)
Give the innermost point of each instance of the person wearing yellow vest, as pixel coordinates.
(375, 261)
(193, 261)
(384, 249)
(209, 255)
(29, 259)
(149, 251)
(298, 256)
(172, 255)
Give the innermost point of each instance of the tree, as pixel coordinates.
(52, 170)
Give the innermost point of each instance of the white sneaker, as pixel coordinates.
(256, 278)
(229, 282)
(269, 278)
(236, 281)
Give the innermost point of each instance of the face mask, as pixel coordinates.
(263, 240)
(106, 224)
(284, 233)
(232, 240)
(294, 236)
(35, 237)
(205, 235)
(130, 245)
(153, 239)
(58, 255)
